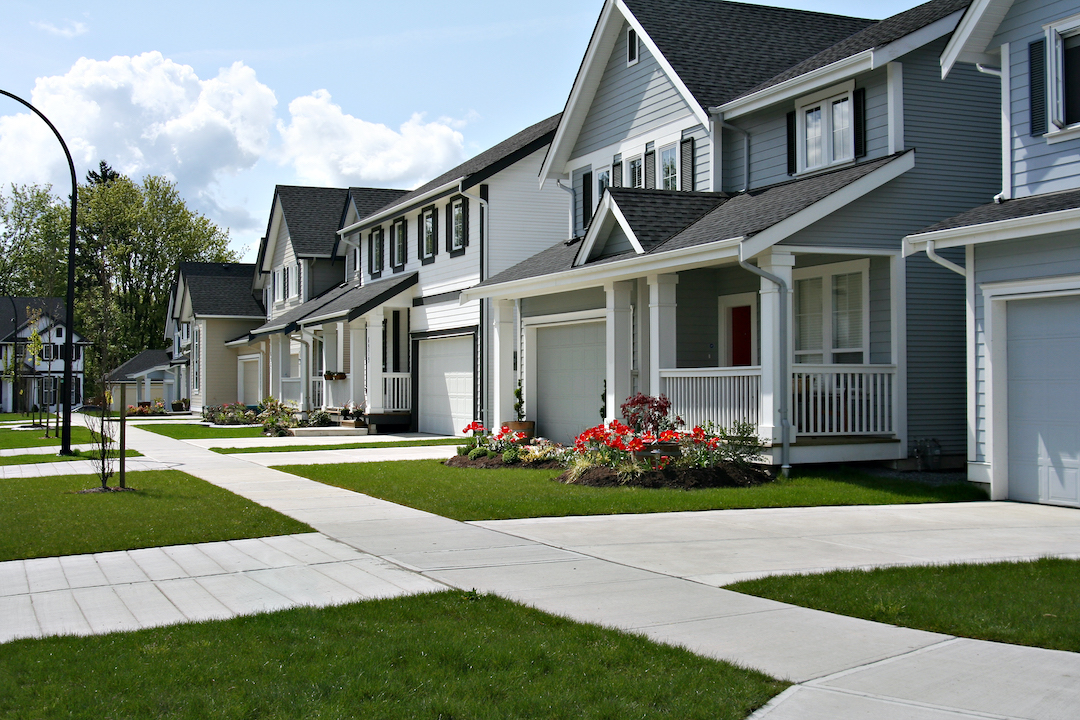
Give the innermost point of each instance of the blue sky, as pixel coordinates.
(229, 99)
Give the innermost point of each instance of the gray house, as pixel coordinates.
(743, 177)
(1022, 253)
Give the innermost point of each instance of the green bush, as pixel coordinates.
(320, 418)
(478, 452)
(511, 455)
(276, 417)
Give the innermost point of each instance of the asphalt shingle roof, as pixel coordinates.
(143, 361)
(1009, 210)
(722, 49)
(313, 216)
(221, 289)
(877, 35)
(51, 307)
(359, 299)
(655, 214)
(368, 200)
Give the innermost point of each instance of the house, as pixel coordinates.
(743, 177)
(389, 335)
(210, 304)
(1021, 253)
(30, 380)
(144, 378)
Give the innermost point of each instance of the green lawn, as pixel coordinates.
(1028, 603)
(19, 417)
(345, 446)
(50, 458)
(468, 494)
(191, 431)
(445, 655)
(36, 438)
(45, 517)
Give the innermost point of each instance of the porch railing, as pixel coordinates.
(397, 391)
(721, 395)
(290, 391)
(843, 399)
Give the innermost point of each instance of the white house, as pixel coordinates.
(30, 380)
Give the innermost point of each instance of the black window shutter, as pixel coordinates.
(686, 163)
(1037, 82)
(859, 120)
(792, 165)
(616, 175)
(465, 222)
(650, 170)
(420, 235)
(586, 199)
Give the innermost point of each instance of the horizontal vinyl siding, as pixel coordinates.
(617, 242)
(1014, 260)
(697, 322)
(628, 101)
(702, 157)
(880, 311)
(1037, 166)
(283, 255)
(565, 302)
(324, 274)
(444, 316)
(219, 373)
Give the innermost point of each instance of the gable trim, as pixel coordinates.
(608, 208)
(962, 46)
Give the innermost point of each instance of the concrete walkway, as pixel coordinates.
(656, 574)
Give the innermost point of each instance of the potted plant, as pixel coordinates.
(521, 424)
(340, 376)
(328, 375)
(178, 406)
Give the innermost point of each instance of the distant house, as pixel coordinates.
(146, 378)
(1021, 253)
(28, 380)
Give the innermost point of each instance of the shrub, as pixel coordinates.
(511, 455)
(648, 414)
(477, 453)
(276, 417)
(320, 418)
(229, 414)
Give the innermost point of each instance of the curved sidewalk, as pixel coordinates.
(656, 574)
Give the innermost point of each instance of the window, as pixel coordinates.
(398, 247)
(632, 47)
(59, 333)
(47, 391)
(299, 289)
(457, 220)
(603, 182)
(375, 252)
(1062, 73)
(196, 347)
(285, 283)
(669, 168)
(428, 237)
(47, 352)
(825, 129)
(832, 314)
(634, 168)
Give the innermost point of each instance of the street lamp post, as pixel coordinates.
(69, 343)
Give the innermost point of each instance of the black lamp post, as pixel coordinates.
(69, 343)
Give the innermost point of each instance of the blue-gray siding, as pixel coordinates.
(566, 302)
(697, 322)
(702, 157)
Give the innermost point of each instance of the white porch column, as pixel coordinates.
(619, 345)
(376, 359)
(149, 389)
(779, 264)
(662, 305)
(357, 354)
(502, 365)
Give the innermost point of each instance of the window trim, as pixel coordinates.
(824, 99)
(376, 254)
(673, 148)
(1056, 33)
(426, 258)
(453, 247)
(639, 181)
(196, 348)
(827, 272)
(399, 244)
(633, 47)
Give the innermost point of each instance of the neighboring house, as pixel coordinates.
(720, 153)
(388, 334)
(29, 381)
(211, 304)
(144, 379)
(1022, 253)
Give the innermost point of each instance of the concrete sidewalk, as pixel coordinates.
(656, 574)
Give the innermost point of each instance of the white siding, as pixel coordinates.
(523, 220)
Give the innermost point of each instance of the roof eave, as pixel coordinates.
(962, 46)
(1011, 229)
(382, 216)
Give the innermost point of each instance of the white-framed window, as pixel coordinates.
(832, 313)
(459, 225)
(429, 234)
(636, 171)
(375, 252)
(285, 283)
(1063, 72)
(398, 247)
(47, 390)
(603, 182)
(825, 128)
(633, 47)
(196, 348)
(669, 168)
(275, 280)
(47, 352)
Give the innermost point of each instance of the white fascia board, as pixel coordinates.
(915, 40)
(1013, 229)
(581, 94)
(628, 269)
(607, 209)
(798, 86)
(829, 204)
(392, 212)
(973, 33)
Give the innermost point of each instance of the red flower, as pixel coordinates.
(475, 426)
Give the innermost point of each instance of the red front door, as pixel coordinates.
(742, 351)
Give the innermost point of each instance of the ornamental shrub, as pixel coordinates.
(648, 414)
(276, 417)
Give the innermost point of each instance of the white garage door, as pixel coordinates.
(1044, 400)
(446, 385)
(570, 370)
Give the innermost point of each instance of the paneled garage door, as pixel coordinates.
(1044, 400)
(446, 385)
(570, 369)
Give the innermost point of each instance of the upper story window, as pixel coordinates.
(428, 237)
(633, 47)
(832, 313)
(1062, 74)
(634, 169)
(398, 245)
(603, 182)
(826, 130)
(457, 221)
(375, 252)
(669, 168)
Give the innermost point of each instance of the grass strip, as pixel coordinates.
(192, 431)
(501, 494)
(19, 417)
(443, 655)
(46, 516)
(36, 438)
(1024, 603)
(345, 446)
(48, 458)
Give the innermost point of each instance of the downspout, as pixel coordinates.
(995, 72)
(931, 252)
(785, 363)
(573, 206)
(717, 117)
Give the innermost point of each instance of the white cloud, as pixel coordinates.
(327, 146)
(69, 30)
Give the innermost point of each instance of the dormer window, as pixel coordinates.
(632, 47)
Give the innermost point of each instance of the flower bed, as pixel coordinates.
(506, 447)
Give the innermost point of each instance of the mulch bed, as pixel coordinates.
(486, 463)
(110, 489)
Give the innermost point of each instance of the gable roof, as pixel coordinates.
(221, 289)
(144, 361)
(50, 307)
(368, 200)
(970, 43)
(313, 215)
